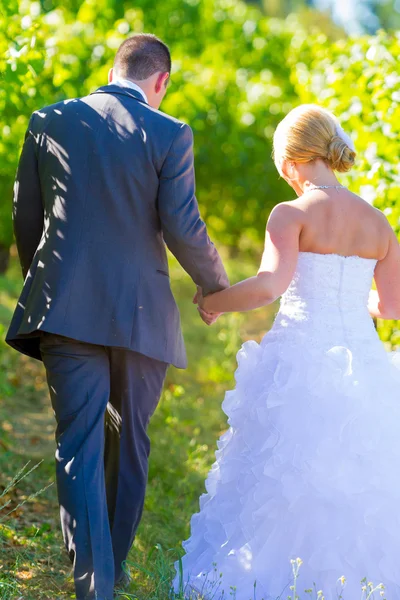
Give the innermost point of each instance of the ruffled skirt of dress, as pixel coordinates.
(309, 468)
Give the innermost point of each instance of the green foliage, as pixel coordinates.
(21, 58)
(231, 82)
(235, 74)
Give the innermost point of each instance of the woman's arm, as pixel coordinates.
(276, 271)
(384, 302)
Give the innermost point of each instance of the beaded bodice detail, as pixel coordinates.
(326, 302)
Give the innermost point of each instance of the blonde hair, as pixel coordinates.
(309, 132)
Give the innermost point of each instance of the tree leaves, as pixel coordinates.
(236, 73)
(230, 82)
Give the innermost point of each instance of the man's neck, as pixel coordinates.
(124, 82)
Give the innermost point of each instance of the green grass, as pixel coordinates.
(184, 431)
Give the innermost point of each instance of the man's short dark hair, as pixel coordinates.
(142, 55)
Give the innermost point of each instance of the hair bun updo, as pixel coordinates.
(310, 132)
(340, 156)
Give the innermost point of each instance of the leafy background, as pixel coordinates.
(238, 68)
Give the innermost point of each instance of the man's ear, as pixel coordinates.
(161, 82)
(110, 75)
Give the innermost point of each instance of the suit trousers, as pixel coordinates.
(103, 398)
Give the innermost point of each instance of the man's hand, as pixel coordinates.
(208, 318)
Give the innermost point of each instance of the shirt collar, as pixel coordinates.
(129, 84)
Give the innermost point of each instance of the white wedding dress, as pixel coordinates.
(310, 465)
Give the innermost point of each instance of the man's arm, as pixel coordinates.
(27, 205)
(184, 232)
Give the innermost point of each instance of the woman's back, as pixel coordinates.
(340, 222)
(336, 221)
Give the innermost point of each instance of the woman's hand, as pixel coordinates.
(208, 318)
(203, 302)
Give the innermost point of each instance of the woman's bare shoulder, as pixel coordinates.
(379, 214)
(288, 211)
(375, 213)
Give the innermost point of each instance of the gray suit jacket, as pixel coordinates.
(102, 182)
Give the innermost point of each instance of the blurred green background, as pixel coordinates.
(238, 68)
(236, 72)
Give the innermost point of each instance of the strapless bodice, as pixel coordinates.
(326, 301)
(330, 279)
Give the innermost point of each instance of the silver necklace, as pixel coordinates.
(326, 187)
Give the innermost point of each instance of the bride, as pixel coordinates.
(310, 464)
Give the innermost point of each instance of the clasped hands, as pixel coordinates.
(208, 318)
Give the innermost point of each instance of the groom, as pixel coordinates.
(103, 181)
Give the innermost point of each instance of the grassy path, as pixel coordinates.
(184, 430)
